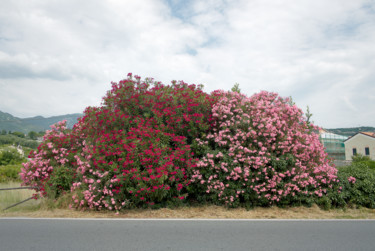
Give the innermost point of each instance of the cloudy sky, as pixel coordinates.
(58, 57)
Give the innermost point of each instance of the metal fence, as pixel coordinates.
(16, 188)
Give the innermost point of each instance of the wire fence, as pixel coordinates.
(16, 188)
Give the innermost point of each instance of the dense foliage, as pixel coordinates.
(356, 186)
(10, 156)
(10, 172)
(10, 139)
(366, 160)
(152, 145)
(10, 163)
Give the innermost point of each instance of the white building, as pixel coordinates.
(361, 143)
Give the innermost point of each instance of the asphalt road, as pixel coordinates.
(110, 234)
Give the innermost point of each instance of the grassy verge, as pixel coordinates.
(51, 209)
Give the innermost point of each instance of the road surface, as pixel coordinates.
(114, 234)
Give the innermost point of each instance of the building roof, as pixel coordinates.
(324, 134)
(370, 134)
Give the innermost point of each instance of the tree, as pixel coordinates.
(19, 134)
(308, 115)
(236, 88)
(32, 135)
(3, 132)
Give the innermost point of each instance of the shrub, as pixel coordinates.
(357, 186)
(10, 139)
(179, 108)
(59, 182)
(57, 151)
(10, 156)
(151, 145)
(365, 160)
(139, 167)
(360, 158)
(9, 173)
(261, 152)
(132, 151)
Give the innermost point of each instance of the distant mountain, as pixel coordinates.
(39, 123)
(351, 131)
(10, 123)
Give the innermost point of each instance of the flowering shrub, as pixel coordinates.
(182, 109)
(351, 179)
(149, 145)
(137, 150)
(134, 150)
(261, 151)
(135, 167)
(54, 160)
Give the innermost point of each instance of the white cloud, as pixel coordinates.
(319, 52)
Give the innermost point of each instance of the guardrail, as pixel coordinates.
(15, 188)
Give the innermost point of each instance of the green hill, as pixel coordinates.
(351, 131)
(10, 123)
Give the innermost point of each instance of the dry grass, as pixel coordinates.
(40, 209)
(204, 212)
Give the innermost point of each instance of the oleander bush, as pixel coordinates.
(152, 145)
(133, 151)
(58, 151)
(260, 152)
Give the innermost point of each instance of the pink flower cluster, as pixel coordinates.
(352, 179)
(261, 151)
(57, 149)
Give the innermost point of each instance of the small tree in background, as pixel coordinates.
(236, 88)
(32, 135)
(19, 134)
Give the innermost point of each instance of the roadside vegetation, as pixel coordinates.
(154, 146)
(20, 139)
(11, 160)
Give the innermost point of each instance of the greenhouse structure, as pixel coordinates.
(333, 144)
